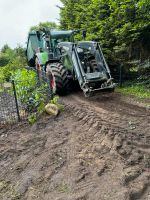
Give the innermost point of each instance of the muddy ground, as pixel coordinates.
(97, 149)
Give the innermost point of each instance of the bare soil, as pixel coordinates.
(97, 149)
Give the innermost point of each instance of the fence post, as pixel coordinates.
(120, 75)
(16, 101)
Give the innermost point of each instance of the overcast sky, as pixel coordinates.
(17, 16)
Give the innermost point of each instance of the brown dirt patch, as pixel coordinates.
(97, 149)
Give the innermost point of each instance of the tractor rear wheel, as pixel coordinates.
(59, 78)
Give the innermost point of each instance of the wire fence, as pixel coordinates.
(13, 107)
(121, 75)
(7, 103)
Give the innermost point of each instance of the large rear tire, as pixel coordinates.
(59, 78)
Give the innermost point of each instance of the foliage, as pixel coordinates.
(11, 60)
(25, 82)
(122, 27)
(6, 55)
(32, 94)
(55, 101)
(28, 91)
(7, 70)
(42, 25)
(32, 118)
(5, 48)
(4, 60)
(135, 89)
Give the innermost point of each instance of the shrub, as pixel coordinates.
(29, 91)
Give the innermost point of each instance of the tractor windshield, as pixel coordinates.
(90, 58)
(55, 41)
(60, 36)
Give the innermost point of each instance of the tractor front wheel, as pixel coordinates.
(59, 78)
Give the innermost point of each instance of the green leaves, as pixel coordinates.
(55, 101)
(42, 25)
(135, 90)
(25, 83)
(11, 60)
(116, 23)
(29, 92)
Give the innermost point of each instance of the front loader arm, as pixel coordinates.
(105, 63)
(77, 67)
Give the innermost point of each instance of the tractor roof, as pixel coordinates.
(57, 32)
(54, 32)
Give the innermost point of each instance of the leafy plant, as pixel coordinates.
(25, 83)
(10, 61)
(55, 101)
(32, 94)
(32, 118)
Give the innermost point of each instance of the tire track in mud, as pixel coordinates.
(130, 147)
(41, 158)
(87, 153)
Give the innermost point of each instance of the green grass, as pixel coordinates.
(135, 90)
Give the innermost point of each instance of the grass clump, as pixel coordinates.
(136, 90)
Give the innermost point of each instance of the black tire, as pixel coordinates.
(64, 73)
(59, 78)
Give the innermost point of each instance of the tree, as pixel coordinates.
(121, 26)
(5, 48)
(4, 60)
(10, 60)
(42, 25)
(5, 55)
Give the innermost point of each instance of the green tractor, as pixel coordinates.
(56, 53)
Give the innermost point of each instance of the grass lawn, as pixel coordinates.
(134, 89)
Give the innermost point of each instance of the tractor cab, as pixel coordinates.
(90, 57)
(42, 46)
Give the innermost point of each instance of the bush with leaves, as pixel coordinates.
(11, 60)
(44, 25)
(29, 91)
(55, 101)
(122, 27)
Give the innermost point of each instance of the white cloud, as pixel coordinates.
(17, 16)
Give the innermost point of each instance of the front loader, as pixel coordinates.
(67, 61)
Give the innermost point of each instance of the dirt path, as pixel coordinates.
(98, 149)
